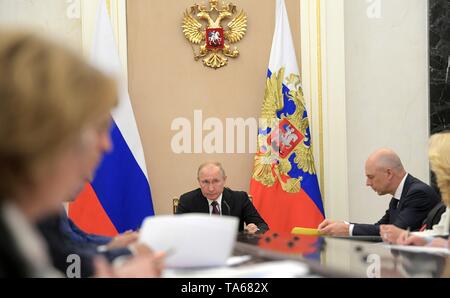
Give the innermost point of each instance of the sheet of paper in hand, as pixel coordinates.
(191, 240)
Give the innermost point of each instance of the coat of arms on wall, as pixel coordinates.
(202, 27)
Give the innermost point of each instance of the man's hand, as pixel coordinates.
(390, 233)
(406, 239)
(334, 228)
(138, 248)
(123, 240)
(143, 266)
(102, 268)
(422, 241)
(251, 228)
(325, 223)
(439, 242)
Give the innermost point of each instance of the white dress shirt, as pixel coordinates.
(397, 196)
(219, 206)
(399, 190)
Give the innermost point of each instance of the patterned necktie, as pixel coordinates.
(215, 209)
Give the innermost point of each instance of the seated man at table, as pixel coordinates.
(411, 202)
(213, 198)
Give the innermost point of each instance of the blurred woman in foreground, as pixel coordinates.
(53, 109)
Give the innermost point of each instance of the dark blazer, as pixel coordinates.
(434, 216)
(415, 203)
(234, 203)
(60, 246)
(61, 243)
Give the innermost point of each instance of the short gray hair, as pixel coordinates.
(387, 158)
(211, 163)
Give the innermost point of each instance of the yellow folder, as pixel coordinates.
(306, 231)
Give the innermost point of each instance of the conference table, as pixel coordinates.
(343, 256)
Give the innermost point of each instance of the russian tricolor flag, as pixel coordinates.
(119, 197)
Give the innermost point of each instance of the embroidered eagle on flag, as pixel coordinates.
(283, 137)
(201, 29)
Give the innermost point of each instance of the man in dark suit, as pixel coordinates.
(65, 238)
(213, 198)
(411, 200)
(62, 242)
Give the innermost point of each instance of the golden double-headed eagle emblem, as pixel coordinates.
(202, 27)
(284, 155)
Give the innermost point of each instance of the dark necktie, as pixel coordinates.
(394, 203)
(215, 209)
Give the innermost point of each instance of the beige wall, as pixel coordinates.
(165, 83)
(387, 93)
(374, 87)
(57, 19)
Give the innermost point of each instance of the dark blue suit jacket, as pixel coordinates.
(415, 203)
(64, 238)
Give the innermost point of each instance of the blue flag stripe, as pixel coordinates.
(121, 186)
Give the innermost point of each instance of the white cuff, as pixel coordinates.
(102, 248)
(350, 228)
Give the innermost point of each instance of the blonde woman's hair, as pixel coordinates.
(47, 96)
(439, 155)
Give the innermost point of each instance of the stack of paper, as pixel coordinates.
(191, 240)
(420, 249)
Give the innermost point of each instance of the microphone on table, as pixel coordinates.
(228, 207)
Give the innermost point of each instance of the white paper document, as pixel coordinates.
(275, 269)
(420, 249)
(191, 240)
(238, 260)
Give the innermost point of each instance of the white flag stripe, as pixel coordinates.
(105, 57)
(283, 52)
